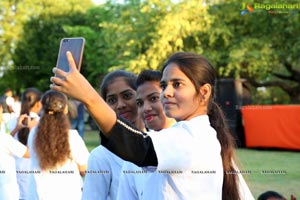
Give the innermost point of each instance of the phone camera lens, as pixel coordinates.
(66, 40)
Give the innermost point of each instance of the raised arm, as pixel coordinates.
(19, 125)
(124, 140)
(75, 85)
(30, 124)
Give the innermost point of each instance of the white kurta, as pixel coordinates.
(189, 165)
(22, 164)
(102, 176)
(189, 161)
(9, 148)
(61, 183)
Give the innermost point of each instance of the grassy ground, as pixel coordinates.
(268, 170)
(91, 139)
(282, 167)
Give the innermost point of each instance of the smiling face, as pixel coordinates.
(179, 97)
(149, 106)
(121, 98)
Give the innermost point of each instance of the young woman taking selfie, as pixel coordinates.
(195, 154)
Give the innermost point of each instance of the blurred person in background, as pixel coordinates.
(58, 153)
(16, 107)
(7, 101)
(9, 149)
(31, 106)
(2, 123)
(273, 195)
(77, 116)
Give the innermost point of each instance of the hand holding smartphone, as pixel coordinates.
(76, 47)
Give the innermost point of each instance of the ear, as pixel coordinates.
(38, 106)
(66, 110)
(205, 91)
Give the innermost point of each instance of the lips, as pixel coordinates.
(149, 117)
(168, 104)
(125, 114)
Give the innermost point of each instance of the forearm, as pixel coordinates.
(131, 144)
(27, 154)
(82, 169)
(14, 131)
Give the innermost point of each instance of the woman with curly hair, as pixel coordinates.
(58, 154)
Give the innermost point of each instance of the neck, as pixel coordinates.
(139, 124)
(169, 122)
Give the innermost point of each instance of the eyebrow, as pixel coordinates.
(125, 91)
(128, 90)
(153, 93)
(149, 95)
(172, 80)
(111, 95)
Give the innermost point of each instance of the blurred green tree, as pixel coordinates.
(262, 46)
(13, 17)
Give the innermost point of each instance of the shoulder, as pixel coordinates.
(200, 127)
(76, 142)
(74, 136)
(198, 121)
(73, 132)
(34, 115)
(5, 137)
(101, 153)
(13, 146)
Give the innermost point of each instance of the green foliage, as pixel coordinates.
(136, 35)
(270, 95)
(258, 46)
(36, 53)
(176, 25)
(23, 29)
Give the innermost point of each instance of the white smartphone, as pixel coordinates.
(76, 47)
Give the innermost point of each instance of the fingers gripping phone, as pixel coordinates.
(75, 46)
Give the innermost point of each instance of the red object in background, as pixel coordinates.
(272, 126)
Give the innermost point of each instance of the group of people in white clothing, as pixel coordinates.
(163, 136)
(166, 155)
(41, 157)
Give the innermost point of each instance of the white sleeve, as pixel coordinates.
(186, 147)
(15, 147)
(79, 151)
(172, 148)
(96, 183)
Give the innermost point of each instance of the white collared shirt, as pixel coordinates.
(189, 161)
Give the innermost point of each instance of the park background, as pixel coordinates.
(243, 41)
